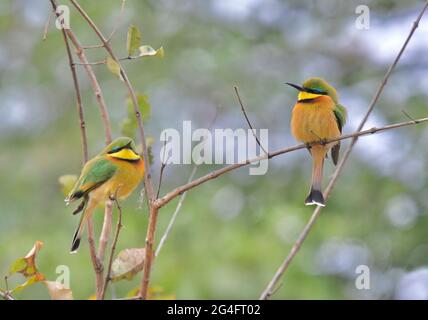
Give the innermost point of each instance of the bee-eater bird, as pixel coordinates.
(112, 174)
(317, 116)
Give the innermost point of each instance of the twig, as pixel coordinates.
(106, 230)
(45, 30)
(95, 85)
(5, 295)
(179, 190)
(104, 61)
(175, 214)
(267, 293)
(247, 119)
(91, 242)
(181, 200)
(119, 19)
(163, 165)
(113, 248)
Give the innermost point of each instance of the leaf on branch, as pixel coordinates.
(147, 51)
(36, 278)
(127, 264)
(133, 41)
(114, 67)
(67, 182)
(130, 125)
(57, 291)
(27, 264)
(144, 106)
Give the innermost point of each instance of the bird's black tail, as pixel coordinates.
(315, 197)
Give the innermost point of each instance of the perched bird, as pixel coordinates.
(114, 173)
(317, 116)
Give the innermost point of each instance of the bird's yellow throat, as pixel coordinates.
(307, 95)
(125, 154)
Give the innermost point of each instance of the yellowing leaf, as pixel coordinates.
(160, 53)
(127, 264)
(67, 182)
(57, 291)
(114, 67)
(36, 278)
(133, 41)
(149, 51)
(27, 265)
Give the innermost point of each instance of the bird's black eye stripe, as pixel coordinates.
(315, 91)
(115, 149)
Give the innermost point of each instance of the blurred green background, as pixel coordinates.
(233, 232)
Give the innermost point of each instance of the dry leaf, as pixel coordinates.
(27, 265)
(57, 291)
(127, 264)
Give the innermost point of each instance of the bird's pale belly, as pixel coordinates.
(313, 122)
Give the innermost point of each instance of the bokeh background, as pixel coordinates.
(232, 232)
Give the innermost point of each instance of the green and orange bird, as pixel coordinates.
(113, 173)
(318, 116)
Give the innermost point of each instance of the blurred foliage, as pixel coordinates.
(232, 232)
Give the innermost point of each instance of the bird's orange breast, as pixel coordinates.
(314, 120)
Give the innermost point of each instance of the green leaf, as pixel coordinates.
(144, 107)
(17, 266)
(114, 67)
(127, 264)
(133, 41)
(129, 127)
(67, 182)
(149, 51)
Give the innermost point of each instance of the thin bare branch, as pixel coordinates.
(247, 119)
(46, 28)
(175, 214)
(162, 169)
(267, 293)
(118, 21)
(113, 248)
(91, 242)
(5, 295)
(179, 190)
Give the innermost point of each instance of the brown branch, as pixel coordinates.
(179, 190)
(95, 85)
(5, 295)
(267, 293)
(153, 211)
(247, 119)
(91, 242)
(113, 249)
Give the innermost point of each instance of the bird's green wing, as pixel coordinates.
(340, 114)
(94, 173)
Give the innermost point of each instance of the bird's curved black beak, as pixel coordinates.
(295, 86)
